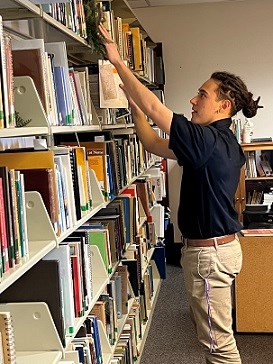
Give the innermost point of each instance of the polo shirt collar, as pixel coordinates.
(222, 124)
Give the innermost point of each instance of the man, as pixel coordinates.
(211, 159)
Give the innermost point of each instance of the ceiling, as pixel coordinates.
(134, 4)
(121, 8)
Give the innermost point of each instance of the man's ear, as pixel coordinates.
(226, 105)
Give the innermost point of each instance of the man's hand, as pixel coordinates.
(112, 52)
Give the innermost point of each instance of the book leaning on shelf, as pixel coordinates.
(63, 91)
(13, 225)
(50, 293)
(111, 95)
(7, 112)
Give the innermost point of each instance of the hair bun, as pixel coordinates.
(252, 106)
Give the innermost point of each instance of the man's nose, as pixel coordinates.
(193, 100)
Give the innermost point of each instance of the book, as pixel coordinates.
(257, 232)
(98, 310)
(128, 53)
(134, 274)
(265, 164)
(159, 257)
(112, 223)
(62, 97)
(122, 271)
(14, 215)
(62, 86)
(62, 254)
(100, 238)
(111, 95)
(79, 242)
(96, 155)
(143, 195)
(84, 81)
(10, 80)
(32, 160)
(9, 212)
(29, 60)
(4, 121)
(7, 335)
(21, 212)
(3, 233)
(65, 220)
(138, 57)
(41, 180)
(118, 289)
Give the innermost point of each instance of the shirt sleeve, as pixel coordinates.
(192, 143)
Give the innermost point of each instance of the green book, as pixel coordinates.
(100, 238)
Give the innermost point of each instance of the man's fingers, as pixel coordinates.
(104, 31)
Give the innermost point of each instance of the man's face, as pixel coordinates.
(205, 106)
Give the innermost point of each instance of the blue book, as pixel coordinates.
(110, 178)
(62, 102)
(20, 206)
(96, 337)
(61, 215)
(127, 219)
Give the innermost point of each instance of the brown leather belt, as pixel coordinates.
(211, 242)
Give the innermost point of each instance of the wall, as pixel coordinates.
(201, 38)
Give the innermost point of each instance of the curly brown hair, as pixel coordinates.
(233, 88)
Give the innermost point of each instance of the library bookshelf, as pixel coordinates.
(94, 235)
(256, 176)
(252, 286)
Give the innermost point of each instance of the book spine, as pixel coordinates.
(20, 212)
(15, 221)
(1, 228)
(3, 70)
(8, 340)
(10, 81)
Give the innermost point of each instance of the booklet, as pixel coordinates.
(111, 95)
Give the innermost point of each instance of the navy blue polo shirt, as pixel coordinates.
(211, 158)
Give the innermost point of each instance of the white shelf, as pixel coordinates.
(114, 126)
(35, 336)
(122, 322)
(74, 129)
(146, 326)
(20, 4)
(38, 357)
(25, 131)
(22, 17)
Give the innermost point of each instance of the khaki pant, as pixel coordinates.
(209, 273)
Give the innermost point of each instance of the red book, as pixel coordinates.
(42, 181)
(130, 190)
(29, 62)
(76, 277)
